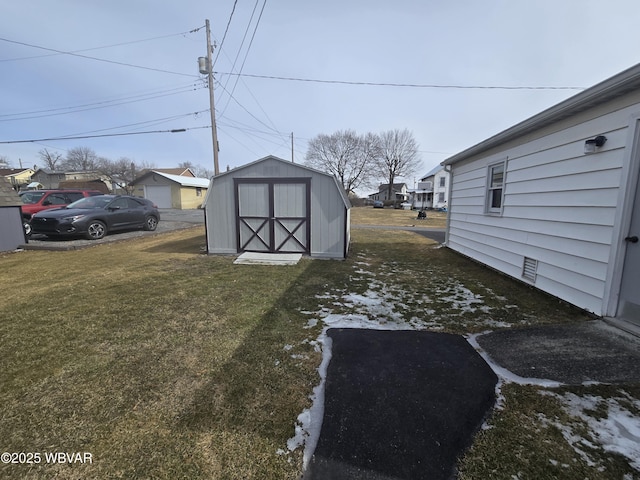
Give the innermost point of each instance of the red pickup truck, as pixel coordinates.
(35, 201)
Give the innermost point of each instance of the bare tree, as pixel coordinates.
(198, 170)
(50, 159)
(80, 159)
(120, 172)
(344, 154)
(4, 162)
(397, 156)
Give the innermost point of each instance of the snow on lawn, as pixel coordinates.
(617, 431)
(385, 306)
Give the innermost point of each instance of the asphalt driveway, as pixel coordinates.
(170, 219)
(399, 405)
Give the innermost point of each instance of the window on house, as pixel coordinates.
(442, 180)
(441, 197)
(198, 191)
(495, 187)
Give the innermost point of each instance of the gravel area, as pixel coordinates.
(170, 220)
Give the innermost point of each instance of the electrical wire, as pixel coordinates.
(97, 105)
(255, 29)
(225, 32)
(175, 130)
(104, 46)
(98, 59)
(411, 85)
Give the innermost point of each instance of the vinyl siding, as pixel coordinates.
(559, 205)
(328, 212)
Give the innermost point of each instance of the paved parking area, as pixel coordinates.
(170, 219)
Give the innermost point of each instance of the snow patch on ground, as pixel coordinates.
(383, 307)
(615, 428)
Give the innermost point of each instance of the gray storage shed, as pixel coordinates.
(276, 206)
(12, 233)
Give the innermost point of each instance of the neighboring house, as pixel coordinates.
(184, 172)
(399, 193)
(50, 179)
(19, 178)
(95, 184)
(171, 191)
(276, 206)
(11, 234)
(554, 200)
(432, 191)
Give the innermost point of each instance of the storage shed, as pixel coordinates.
(276, 206)
(11, 234)
(554, 200)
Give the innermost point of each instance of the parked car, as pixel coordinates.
(378, 204)
(94, 217)
(35, 201)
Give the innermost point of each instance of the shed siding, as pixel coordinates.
(12, 233)
(327, 209)
(559, 205)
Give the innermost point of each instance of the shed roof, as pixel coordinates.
(8, 196)
(339, 187)
(602, 92)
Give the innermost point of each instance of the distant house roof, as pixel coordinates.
(86, 184)
(8, 196)
(7, 172)
(182, 180)
(433, 171)
(183, 172)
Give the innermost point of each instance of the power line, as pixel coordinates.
(97, 59)
(410, 85)
(102, 47)
(97, 105)
(246, 54)
(37, 140)
(225, 32)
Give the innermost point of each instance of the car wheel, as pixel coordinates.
(27, 228)
(151, 223)
(96, 230)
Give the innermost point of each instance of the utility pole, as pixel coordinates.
(292, 147)
(209, 72)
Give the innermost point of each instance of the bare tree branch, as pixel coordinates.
(50, 159)
(398, 156)
(344, 154)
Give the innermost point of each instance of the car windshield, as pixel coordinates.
(31, 197)
(90, 203)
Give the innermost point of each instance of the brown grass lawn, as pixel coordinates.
(163, 362)
(396, 217)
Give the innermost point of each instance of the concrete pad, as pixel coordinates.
(399, 405)
(570, 353)
(259, 258)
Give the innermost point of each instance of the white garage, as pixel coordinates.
(158, 194)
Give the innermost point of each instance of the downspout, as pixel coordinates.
(449, 170)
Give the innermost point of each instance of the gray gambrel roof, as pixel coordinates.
(613, 87)
(339, 187)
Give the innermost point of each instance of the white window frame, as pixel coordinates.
(491, 188)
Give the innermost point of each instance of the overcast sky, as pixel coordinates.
(435, 45)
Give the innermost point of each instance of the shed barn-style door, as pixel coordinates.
(273, 215)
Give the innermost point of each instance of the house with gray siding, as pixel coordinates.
(554, 201)
(276, 206)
